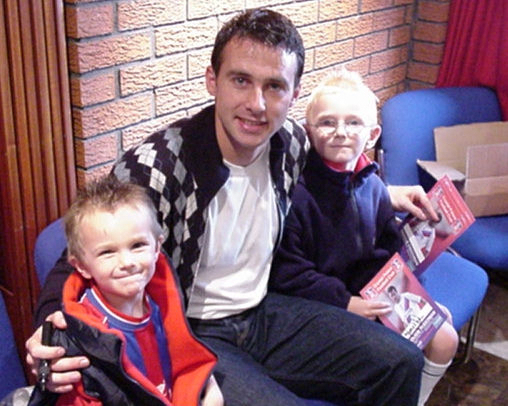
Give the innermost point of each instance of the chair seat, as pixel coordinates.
(456, 283)
(486, 242)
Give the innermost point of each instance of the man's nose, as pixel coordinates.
(256, 102)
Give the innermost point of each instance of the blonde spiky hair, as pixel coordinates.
(342, 80)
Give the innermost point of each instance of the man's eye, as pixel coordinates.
(275, 86)
(239, 80)
(327, 123)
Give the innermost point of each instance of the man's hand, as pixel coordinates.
(368, 308)
(213, 395)
(63, 370)
(414, 200)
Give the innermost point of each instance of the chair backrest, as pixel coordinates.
(49, 246)
(12, 376)
(408, 120)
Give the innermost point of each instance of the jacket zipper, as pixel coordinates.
(354, 206)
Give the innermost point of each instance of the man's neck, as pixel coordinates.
(241, 156)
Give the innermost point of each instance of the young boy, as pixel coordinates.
(342, 229)
(123, 308)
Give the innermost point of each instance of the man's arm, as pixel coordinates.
(50, 298)
(64, 370)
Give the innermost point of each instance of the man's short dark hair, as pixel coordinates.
(265, 26)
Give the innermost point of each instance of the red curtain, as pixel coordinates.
(476, 48)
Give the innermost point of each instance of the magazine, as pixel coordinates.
(414, 314)
(424, 240)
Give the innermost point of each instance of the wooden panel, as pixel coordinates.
(36, 151)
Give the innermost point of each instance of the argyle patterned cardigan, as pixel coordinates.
(183, 169)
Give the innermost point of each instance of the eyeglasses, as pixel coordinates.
(329, 127)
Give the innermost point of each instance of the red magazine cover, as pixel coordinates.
(424, 240)
(414, 314)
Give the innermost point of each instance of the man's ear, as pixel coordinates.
(211, 81)
(375, 132)
(76, 263)
(296, 93)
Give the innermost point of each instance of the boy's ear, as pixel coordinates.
(158, 244)
(375, 132)
(76, 263)
(307, 128)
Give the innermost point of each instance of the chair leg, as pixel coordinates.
(470, 339)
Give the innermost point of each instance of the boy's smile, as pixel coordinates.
(119, 252)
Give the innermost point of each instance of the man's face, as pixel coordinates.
(253, 91)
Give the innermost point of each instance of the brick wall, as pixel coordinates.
(137, 65)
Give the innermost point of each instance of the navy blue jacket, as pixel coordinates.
(340, 231)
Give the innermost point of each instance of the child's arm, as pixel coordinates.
(412, 199)
(368, 308)
(295, 273)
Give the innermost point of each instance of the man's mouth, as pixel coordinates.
(251, 125)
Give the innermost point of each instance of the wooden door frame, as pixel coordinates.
(36, 146)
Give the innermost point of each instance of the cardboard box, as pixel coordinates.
(475, 157)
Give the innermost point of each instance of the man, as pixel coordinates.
(222, 182)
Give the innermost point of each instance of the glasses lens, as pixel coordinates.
(330, 127)
(354, 128)
(327, 126)
(327, 129)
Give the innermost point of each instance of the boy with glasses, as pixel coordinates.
(341, 229)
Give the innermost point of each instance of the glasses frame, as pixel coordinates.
(349, 128)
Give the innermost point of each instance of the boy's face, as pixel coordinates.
(253, 91)
(119, 252)
(345, 109)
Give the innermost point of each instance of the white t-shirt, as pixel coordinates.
(238, 243)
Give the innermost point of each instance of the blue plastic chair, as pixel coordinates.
(408, 121)
(13, 376)
(49, 246)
